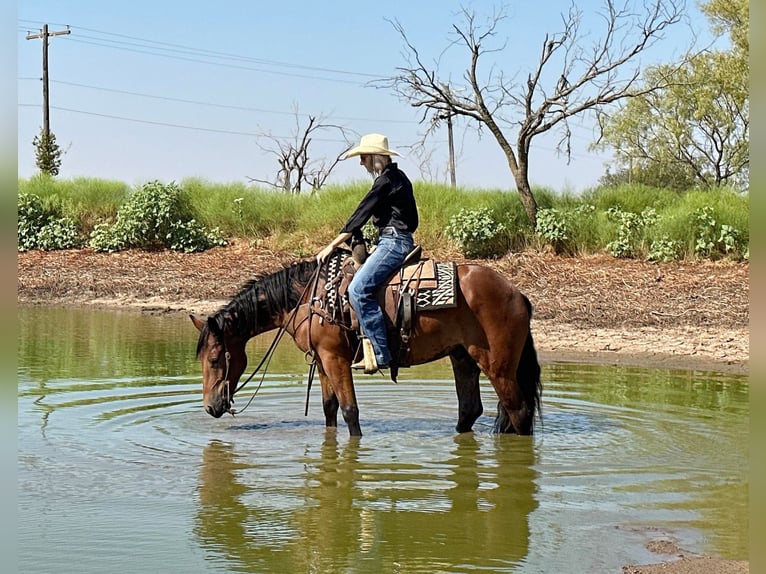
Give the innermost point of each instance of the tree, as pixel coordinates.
(700, 122)
(295, 164)
(570, 78)
(47, 153)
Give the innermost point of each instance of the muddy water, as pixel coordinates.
(119, 469)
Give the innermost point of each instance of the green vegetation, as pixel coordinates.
(696, 130)
(47, 153)
(156, 215)
(626, 220)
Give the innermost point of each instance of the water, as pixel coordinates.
(120, 469)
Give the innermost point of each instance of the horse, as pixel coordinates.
(486, 331)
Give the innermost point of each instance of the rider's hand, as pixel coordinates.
(324, 255)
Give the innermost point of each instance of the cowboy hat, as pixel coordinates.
(371, 144)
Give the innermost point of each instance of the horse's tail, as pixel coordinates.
(528, 372)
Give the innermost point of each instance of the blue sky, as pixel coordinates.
(168, 90)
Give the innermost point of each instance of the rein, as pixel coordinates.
(266, 359)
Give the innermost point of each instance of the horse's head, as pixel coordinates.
(223, 359)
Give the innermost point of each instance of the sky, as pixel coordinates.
(170, 90)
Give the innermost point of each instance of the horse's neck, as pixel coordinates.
(287, 319)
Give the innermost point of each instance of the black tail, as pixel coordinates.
(528, 378)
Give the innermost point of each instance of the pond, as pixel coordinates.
(119, 468)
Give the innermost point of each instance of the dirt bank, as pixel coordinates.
(597, 308)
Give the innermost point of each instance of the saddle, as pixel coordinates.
(420, 284)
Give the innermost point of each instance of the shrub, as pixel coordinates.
(553, 226)
(713, 240)
(43, 225)
(477, 233)
(569, 228)
(155, 216)
(630, 230)
(664, 249)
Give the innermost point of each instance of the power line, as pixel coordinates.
(229, 55)
(215, 105)
(171, 125)
(155, 44)
(171, 50)
(229, 132)
(221, 64)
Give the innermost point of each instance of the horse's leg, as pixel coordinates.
(467, 386)
(329, 402)
(514, 412)
(338, 372)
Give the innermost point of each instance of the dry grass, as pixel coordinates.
(587, 291)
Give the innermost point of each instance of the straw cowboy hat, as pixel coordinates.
(371, 144)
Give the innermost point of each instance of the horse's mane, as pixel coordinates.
(261, 298)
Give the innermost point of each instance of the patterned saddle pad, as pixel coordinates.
(433, 283)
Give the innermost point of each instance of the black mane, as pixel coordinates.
(262, 298)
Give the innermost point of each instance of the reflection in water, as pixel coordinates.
(222, 516)
(110, 424)
(354, 511)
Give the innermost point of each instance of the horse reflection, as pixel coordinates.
(224, 522)
(352, 510)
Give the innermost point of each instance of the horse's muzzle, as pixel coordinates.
(218, 409)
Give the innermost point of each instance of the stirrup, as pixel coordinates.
(361, 366)
(369, 364)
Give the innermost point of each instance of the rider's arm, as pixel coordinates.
(327, 251)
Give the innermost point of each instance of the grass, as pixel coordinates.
(304, 223)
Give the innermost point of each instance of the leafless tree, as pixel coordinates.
(296, 166)
(570, 77)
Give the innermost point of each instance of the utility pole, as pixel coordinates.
(447, 115)
(451, 152)
(44, 34)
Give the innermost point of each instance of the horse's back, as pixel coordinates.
(483, 287)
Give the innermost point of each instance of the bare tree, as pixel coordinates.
(296, 166)
(569, 78)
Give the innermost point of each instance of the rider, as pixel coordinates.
(391, 205)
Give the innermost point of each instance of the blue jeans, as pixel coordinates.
(393, 247)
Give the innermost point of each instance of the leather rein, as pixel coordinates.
(266, 359)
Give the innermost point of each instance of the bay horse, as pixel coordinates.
(488, 331)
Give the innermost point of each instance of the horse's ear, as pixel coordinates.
(197, 323)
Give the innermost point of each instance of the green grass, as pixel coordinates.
(86, 200)
(304, 223)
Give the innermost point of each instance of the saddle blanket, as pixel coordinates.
(433, 283)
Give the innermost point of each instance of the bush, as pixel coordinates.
(155, 216)
(569, 229)
(663, 249)
(553, 226)
(630, 230)
(477, 233)
(43, 225)
(713, 240)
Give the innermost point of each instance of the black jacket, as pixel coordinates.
(390, 203)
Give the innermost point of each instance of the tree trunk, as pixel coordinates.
(527, 199)
(521, 176)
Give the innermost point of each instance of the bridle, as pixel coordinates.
(266, 359)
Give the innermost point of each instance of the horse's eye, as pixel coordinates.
(213, 360)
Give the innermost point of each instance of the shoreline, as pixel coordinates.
(555, 343)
